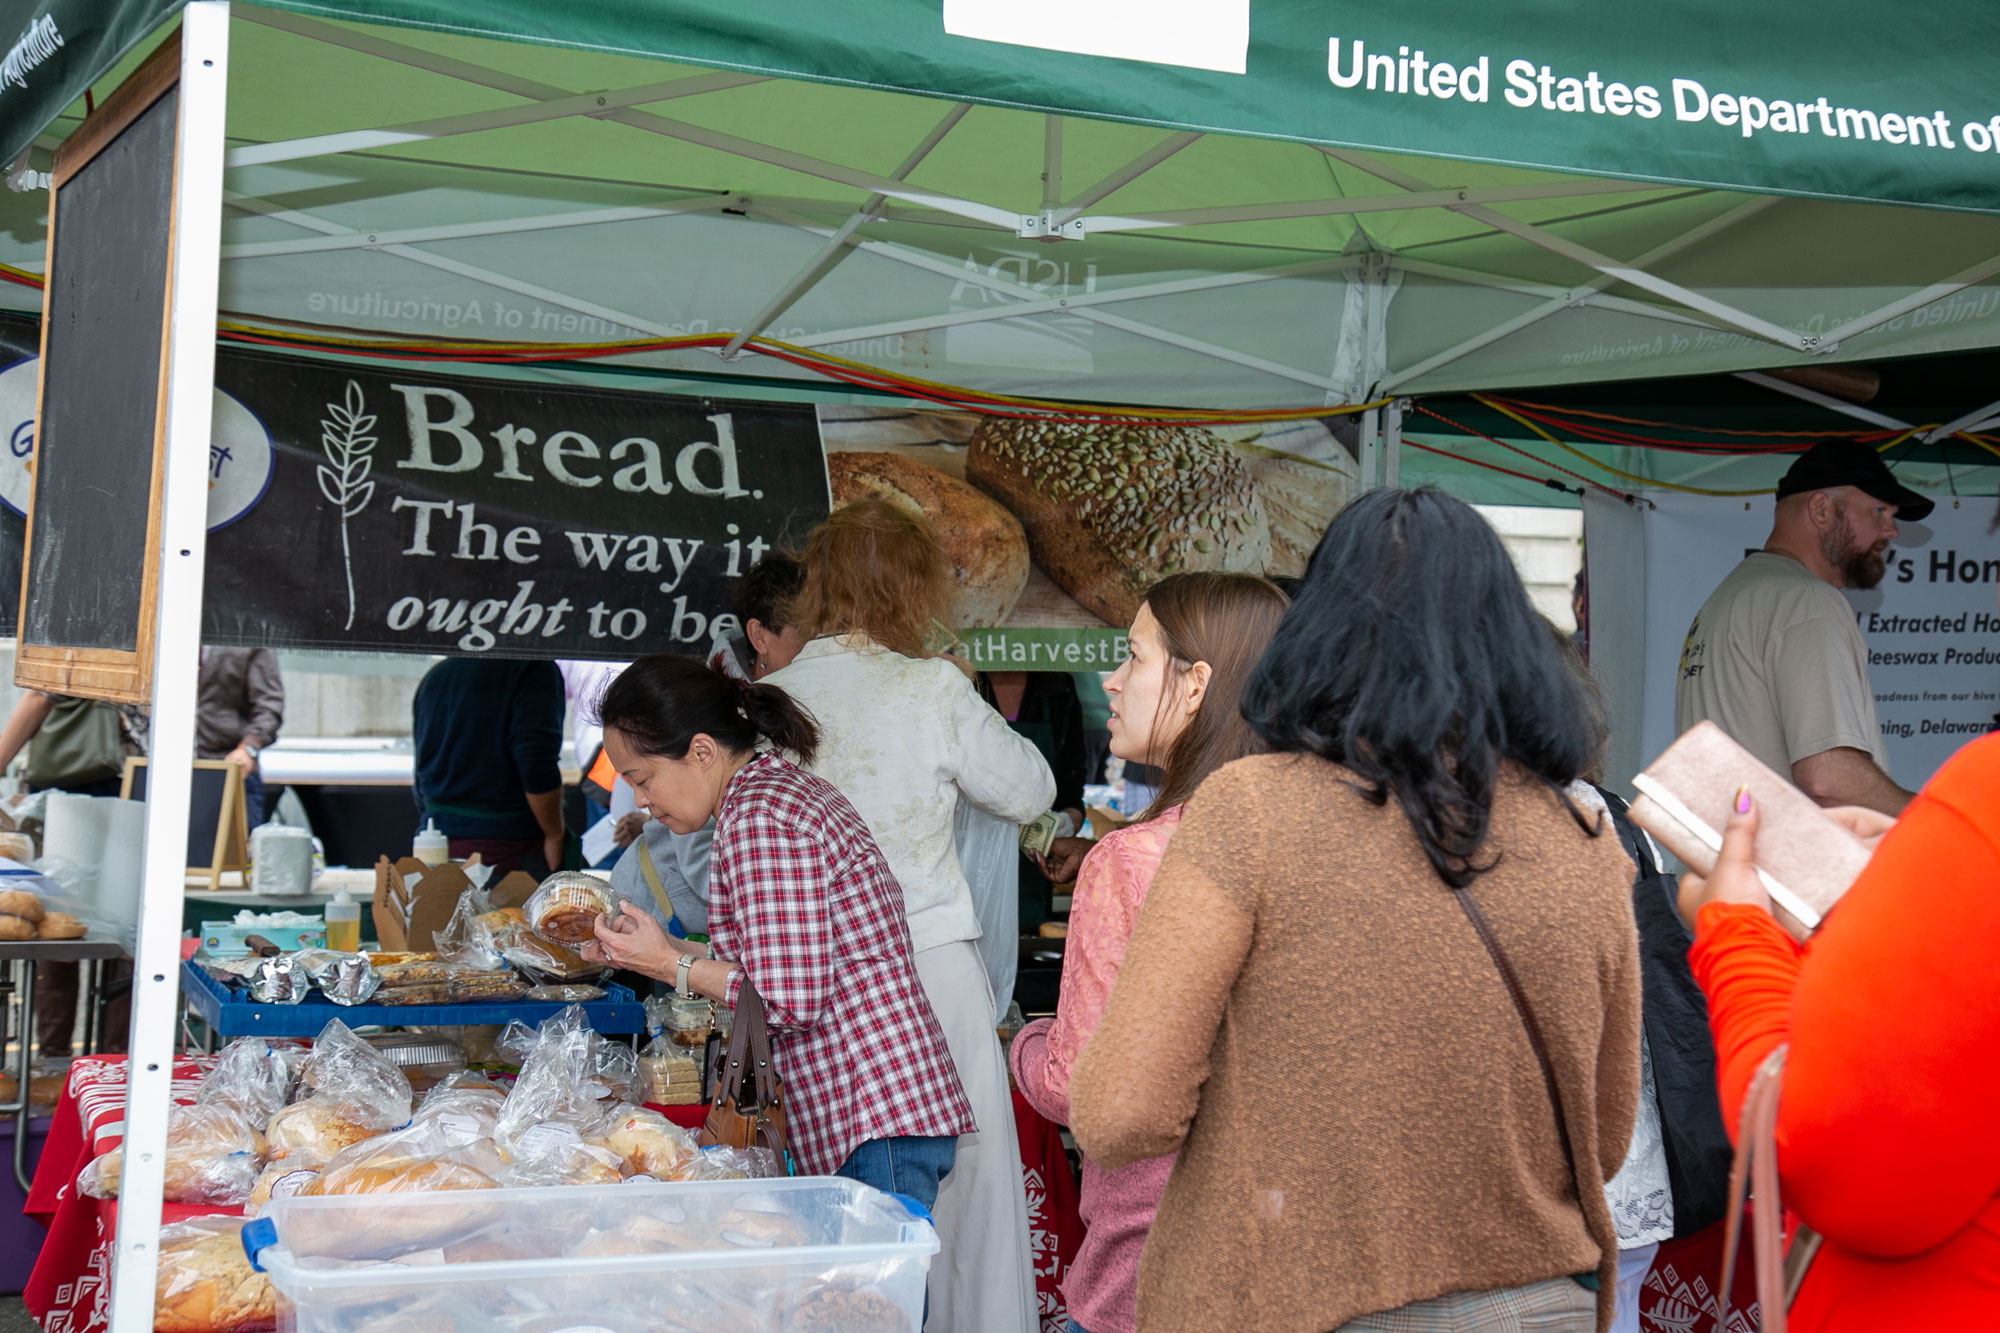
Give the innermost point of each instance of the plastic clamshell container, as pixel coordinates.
(643, 1257)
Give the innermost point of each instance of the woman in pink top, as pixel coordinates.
(1173, 705)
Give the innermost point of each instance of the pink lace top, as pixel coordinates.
(1101, 1288)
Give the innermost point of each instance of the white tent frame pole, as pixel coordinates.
(455, 231)
(1525, 287)
(1827, 401)
(1971, 421)
(1378, 203)
(444, 127)
(624, 319)
(649, 121)
(1053, 304)
(1937, 291)
(978, 279)
(1370, 451)
(1124, 176)
(835, 248)
(1052, 158)
(1578, 295)
(194, 284)
(1584, 255)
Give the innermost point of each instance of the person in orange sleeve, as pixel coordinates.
(1886, 1123)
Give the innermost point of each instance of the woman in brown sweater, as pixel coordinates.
(1369, 1136)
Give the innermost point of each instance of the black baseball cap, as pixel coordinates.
(1833, 463)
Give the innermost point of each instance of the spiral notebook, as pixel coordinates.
(1805, 859)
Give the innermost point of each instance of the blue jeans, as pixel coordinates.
(909, 1164)
(1075, 1327)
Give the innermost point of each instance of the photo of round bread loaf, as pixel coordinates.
(1111, 509)
(985, 544)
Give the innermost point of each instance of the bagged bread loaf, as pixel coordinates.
(16, 928)
(647, 1142)
(213, 1156)
(558, 1082)
(426, 1156)
(985, 544)
(1111, 509)
(356, 1094)
(60, 926)
(206, 1283)
(21, 903)
(250, 1076)
(557, 1154)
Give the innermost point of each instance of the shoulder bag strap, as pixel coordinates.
(1528, 1023)
(750, 1047)
(651, 874)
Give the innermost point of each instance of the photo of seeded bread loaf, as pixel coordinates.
(986, 546)
(1112, 509)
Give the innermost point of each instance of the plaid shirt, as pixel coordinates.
(802, 898)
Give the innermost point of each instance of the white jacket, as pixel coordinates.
(901, 737)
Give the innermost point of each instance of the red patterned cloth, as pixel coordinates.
(1679, 1292)
(801, 897)
(72, 1277)
(1055, 1229)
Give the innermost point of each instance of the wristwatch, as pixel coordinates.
(681, 976)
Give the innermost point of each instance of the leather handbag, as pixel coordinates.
(749, 1106)
(1779, 1269)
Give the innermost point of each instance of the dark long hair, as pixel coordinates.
(1224, 620)
(765, 589)
(662, 702)
(1412, 656)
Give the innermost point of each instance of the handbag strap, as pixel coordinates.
(651, 874)
(1755, 1170)
(1528, 1023)
(749, 1049)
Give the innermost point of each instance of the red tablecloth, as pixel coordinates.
(66, 1292)
(67, 1289)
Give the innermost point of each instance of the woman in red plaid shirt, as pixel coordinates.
(802, 903)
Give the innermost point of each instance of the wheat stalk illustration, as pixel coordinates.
(345, 439)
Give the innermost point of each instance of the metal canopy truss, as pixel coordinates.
(1257, 271)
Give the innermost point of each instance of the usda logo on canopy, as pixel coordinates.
(240, 456)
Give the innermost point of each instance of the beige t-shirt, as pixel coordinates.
(1775, 659)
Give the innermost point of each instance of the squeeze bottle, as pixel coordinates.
(343, 924)
(431, 847)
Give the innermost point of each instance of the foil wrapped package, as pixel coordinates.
(344, 978)
(279, 980)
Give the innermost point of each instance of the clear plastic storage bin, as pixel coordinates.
(760, 1256)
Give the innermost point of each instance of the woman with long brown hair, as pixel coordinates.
(1174, 704)
(905, 737)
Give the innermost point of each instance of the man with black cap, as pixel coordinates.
(1775, 658)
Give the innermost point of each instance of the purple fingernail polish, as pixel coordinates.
(1742, 800)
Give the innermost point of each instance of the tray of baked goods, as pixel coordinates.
(294, 994)
(484, 966)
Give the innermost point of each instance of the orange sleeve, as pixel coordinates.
(1885, 1129)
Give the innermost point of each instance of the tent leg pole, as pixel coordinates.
(1369, 430)
(1392, 443)
(192, 301)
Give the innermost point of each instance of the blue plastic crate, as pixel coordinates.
(230, 1012)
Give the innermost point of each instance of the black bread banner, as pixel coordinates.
(356, 508)
(447, 514)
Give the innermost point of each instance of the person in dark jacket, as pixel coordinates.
(488, 737)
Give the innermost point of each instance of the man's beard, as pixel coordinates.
(1859, 566)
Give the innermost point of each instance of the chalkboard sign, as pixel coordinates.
(91, 559)
(218, 831)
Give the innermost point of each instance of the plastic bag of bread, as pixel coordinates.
(213, 1153)
(566, 907)
(16, 928)
(425, 1157)
(473, 1111)
(21, 903)
(249, 1076)
(647, 1142)
(556, 1154)
(60, 926)
(556, 1082)
(466, 941)
(514, 1043)
(279, 1180)
(206, 1284)
(356, 1094)
(545, 958)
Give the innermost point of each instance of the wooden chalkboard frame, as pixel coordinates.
(232, 831)
(113, 674)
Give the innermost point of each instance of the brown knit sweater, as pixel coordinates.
(1307, 1015)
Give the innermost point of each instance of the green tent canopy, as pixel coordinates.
(1218, 205)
